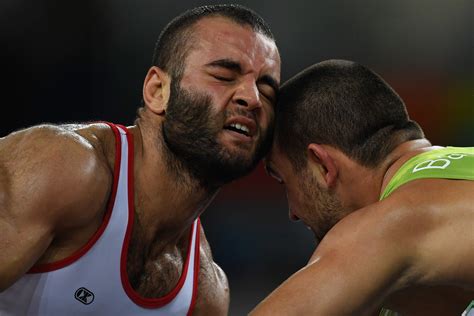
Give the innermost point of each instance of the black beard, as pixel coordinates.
(190, 132)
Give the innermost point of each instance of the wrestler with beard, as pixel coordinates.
(191, 131)
(104, 219)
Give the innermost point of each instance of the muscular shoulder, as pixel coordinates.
(410, 230)
(55, 170)
(374, 237)
(213, 295)
(391, 227)
(435, 220)
(55, 142)
(422, 207)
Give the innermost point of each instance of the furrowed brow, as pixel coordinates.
(227, 64)
(235, 66)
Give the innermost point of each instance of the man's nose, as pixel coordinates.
(247, 95)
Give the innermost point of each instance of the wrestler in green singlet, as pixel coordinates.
(443, 163)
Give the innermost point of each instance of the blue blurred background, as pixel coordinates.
(65, 61)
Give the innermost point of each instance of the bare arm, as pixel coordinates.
(213, 296)
(50, 180)
(416, 237)
(354, 268)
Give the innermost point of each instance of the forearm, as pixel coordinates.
(332, 285)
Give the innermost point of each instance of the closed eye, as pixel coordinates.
(269, 96)
(268, 87)
(224, 66)
(221, 78)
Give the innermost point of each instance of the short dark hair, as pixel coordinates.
(343, 104)
(175, 40)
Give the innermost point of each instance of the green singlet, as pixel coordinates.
(469, 310)
(444, 163)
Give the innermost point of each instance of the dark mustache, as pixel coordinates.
(241, 112)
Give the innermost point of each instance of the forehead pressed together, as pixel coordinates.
(217, 93)
(345, 105)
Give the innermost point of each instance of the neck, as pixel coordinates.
(359, 184)
(362, 186)
(399, 156)
(167, 198)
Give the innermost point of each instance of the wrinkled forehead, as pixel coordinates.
(222, 28)
(219, 36)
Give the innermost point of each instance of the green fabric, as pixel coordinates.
(387, 312)
(469, 310)
(444, 163)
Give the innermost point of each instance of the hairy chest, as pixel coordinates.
(154, 274)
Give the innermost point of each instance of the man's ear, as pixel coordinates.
(156, 90)
(327, 166)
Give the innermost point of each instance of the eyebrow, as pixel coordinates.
(226, 63)
(235, 66)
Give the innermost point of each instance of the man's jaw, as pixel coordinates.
(317, 231)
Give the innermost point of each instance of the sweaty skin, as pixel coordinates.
(55, 181)
(411, 252)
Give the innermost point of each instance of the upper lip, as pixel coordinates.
(242, 120)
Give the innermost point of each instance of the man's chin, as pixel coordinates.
(240, 164)
(238, 151)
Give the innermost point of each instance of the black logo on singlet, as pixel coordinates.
(84, 296)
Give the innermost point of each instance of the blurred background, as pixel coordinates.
(65, 61)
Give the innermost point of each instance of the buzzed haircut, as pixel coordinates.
(343, 104)
(175, 40)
